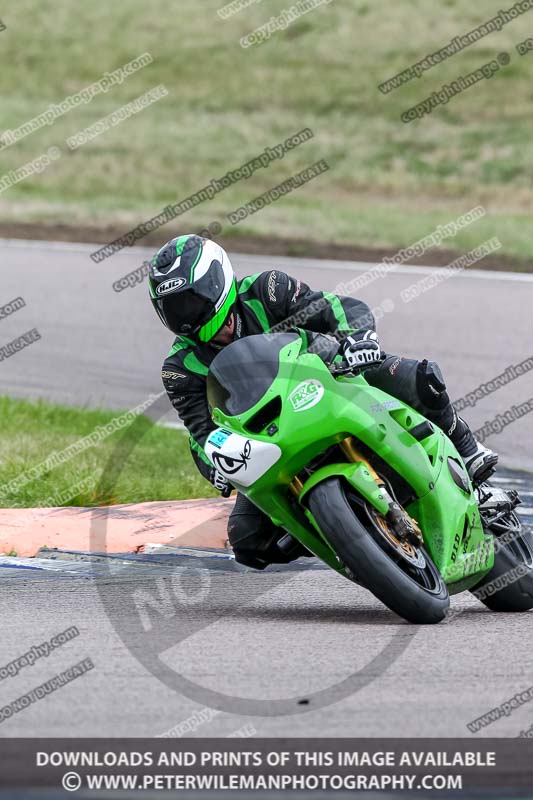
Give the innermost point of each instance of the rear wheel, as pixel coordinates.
(397, 572)
(512, 571)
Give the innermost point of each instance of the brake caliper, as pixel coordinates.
(405, 527)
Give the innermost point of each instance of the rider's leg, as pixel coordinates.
(254, 537)
(421, 385)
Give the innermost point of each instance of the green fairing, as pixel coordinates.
(448, 516)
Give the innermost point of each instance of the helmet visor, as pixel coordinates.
(186, 312)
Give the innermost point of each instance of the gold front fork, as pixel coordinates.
(296, 486)
(350, 450)
(352, 453)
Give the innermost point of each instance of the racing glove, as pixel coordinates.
(360, 349)
(220, 483)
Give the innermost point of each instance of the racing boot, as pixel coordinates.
(480, 461)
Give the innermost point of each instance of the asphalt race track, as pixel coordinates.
(298, 651)
(103, 348)
(292, 651)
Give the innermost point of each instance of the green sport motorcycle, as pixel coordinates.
(363, 481)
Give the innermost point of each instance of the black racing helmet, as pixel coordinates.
(192, 286)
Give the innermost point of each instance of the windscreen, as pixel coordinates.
(240, 374)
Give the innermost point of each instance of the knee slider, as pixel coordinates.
(249, 560)
(243, 534)
(244, 531)
(430, 385)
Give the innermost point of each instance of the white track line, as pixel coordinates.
(281, 261)
(404, 269)
(179, 426)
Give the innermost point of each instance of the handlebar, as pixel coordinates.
(345, 369)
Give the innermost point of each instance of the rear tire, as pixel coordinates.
(421, 599)
(518, 595)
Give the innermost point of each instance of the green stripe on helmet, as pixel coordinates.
(180, 243)
(196, 260)
(212, 327)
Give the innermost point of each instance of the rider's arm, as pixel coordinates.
(321, 312)
(188, 396)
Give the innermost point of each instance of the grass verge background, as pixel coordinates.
(161, 467)
(389, 183)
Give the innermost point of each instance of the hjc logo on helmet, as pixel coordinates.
(169, 286)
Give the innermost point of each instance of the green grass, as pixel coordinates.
(389, 183)
(142, 463)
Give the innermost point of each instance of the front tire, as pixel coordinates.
(416, 593)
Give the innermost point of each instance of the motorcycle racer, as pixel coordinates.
(197, 296)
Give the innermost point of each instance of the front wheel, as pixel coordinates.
(401, 575)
